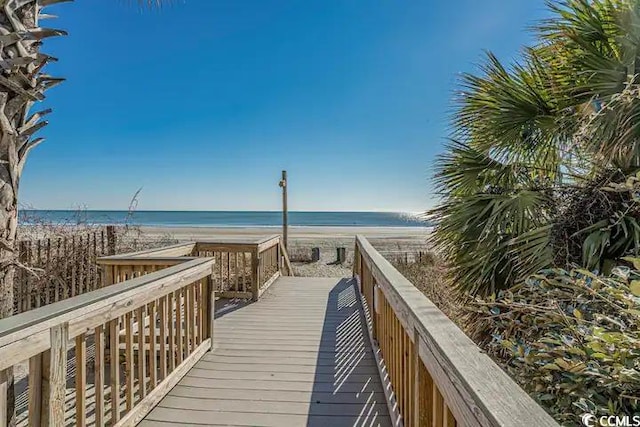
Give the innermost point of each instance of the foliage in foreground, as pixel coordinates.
(570, 339)
(536, 149)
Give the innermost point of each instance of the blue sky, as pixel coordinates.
(203, 102)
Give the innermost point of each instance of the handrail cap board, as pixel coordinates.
(500, 400)
(172, 250)
(151, 260)
(240, 240)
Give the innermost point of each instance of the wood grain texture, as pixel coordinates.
(477, 391)
(98, 379)
(57, 376)
(321, 371)
(114, 370)
(81, 380)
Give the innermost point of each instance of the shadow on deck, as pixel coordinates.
(298, 357)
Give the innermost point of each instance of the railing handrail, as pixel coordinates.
(168, 251)
(268, 242)
(150, 260)
(22, 326)
(265, 253)
(475, 386)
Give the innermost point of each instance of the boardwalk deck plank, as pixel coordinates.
(298, 357)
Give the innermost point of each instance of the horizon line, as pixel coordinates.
(220, 210)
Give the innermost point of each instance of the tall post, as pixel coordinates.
(285, 225)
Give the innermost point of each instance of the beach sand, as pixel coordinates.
(390, 241)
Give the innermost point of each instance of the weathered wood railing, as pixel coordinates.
(436, 376)
(242, 268)
(145, 333)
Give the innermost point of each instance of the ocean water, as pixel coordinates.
(223, 219)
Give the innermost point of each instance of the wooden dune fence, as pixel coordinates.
(57, 268)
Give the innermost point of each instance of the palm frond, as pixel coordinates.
(533, 143)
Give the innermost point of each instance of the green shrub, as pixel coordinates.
(571, 339)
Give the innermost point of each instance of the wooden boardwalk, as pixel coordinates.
(298, 357)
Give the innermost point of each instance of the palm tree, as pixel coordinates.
(23, 82)
(529, 177)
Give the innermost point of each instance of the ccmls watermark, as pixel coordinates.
(590, 420)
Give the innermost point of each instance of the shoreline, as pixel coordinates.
(295, 232)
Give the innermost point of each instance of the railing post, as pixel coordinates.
(255, 274)
(35, 385)
(279, 258)
(4, 396)
(356, 260)
(417, 395)
(55, 377)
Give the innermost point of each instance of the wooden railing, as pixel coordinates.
(125, 346)
(435, 375)
(242, 268)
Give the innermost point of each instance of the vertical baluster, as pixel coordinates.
(98, 379)
(228, 270)
(411, 396)
(152, 346)
(237, 272)
(221, 287)
(163, 337)
(396, 358)
(210, 295)
(114, 368)
(201, 311)
(81, 379)
(188, 309)
(255, 275)
(142, 369)
(401, 365)
(173, 325)
(4, 392)
(129, 361)
(438, 406)
(179, 326)
(244, 272)
(192, 316)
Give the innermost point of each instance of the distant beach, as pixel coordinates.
(391, 233)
